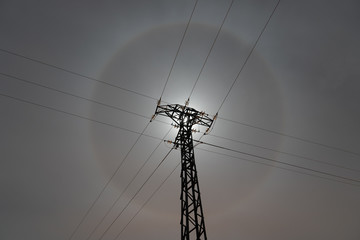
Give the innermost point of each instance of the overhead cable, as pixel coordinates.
(128, 203)
(293, 137)
(78, 96)
(286, 153)
(250, 53)
(126, 188)
(143, 116)
(178, 50)
(281, 162)
(75, 115)
(107, 183)
(75, 73)
(211, 48)
(146, 202)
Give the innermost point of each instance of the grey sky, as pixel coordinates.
(57, 154)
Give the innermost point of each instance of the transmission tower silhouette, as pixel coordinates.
(192, 216)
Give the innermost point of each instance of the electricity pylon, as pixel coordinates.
(192, 216)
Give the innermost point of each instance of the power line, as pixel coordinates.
(50, 108)
(151, 196)
(117, 217)
(107, 183)
(75, 115)
(264, 129)
(178, 50)
(241, 69)
(96, 121)
(127, 186)
(143, 116)
(250, 53)
(206, 150)
(143, 95)
(283, 152)
(292, 136)
(279, 167)
(212, 46)
(71, 94)
(77, 96)
(117, 108)
(75, 73)
(281, 162)
(207, 57)
(139, 114)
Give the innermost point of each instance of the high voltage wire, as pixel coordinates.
(178, 50)
(142, 133)
(127, 186)
(72, 95)
(78, 116)
(250, 53)
(144, 204)
(208, 55)
(198, 77)
(292, 136)
(77, 96)
(281, 162)
(143, 116)
(264, 129)
(75, 73)
(211, 48)
(148, 118)
(206, 150)
(75, 115)
(117, 217)
(143, 95)
(286, 153)
(96, 121)
(107, 184)
(85, 118)
(273, 166)
(93, 79)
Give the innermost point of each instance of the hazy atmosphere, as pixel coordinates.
(80, 80)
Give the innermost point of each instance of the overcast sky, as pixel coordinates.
(79, 81)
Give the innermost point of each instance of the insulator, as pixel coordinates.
(152, 118)
(215, 116)
(175, 126)
(187, 102)
(159, 101)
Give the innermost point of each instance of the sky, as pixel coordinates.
(80, 80)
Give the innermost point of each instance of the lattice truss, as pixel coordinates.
(192, 217)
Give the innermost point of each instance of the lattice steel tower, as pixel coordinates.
(192, 216)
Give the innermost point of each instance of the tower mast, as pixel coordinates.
(192, 216)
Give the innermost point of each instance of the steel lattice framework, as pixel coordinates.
(192, 216)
